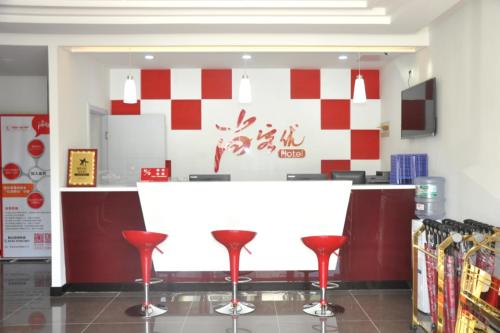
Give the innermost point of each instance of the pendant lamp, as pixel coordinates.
(359, 95)
(245, 91)
(129, 89)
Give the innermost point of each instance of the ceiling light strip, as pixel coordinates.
(190, 4)
(242, 48)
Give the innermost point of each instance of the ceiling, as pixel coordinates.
(219, 16)
(23, 60)
(234, 60)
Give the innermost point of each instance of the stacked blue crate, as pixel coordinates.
(406, 167)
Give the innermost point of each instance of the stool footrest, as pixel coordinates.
(151, 281)
(244, 279)
(329, 285)
(316, 309)
(146, 312)
(233, 310)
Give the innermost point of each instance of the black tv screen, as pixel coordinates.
(418, 110)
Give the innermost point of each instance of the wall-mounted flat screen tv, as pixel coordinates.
(418, 110)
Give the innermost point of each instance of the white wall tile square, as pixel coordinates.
(370, 166)
(334, 145)
(366, 115)
(157, 106)
(117, 82)
(335, 83)
(185, 83)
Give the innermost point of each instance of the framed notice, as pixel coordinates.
(82, 167)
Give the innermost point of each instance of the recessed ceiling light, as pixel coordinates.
(246, 57)
(149, 57)
(343, 57)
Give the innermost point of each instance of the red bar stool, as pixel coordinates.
(323, 246)
(145, 242)
(234, 240)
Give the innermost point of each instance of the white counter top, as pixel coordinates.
(107, 188)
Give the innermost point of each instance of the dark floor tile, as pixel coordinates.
(394, 326)
(115, 312)
(56, 310)
(249, 323)
(208, 302)
(330, 325)
(352, 310)
(386, 306)
(146, 326)
(70, 328)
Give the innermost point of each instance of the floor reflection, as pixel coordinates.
(26, 306)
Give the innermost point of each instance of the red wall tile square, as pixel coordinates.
(365, 145)
(327, 166)
(305, 83)
(372, 82)
(335, 114)
(216, 84)
(186, 114)
(120, 108)
(155, 84)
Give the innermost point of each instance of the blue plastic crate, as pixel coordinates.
(406, 167)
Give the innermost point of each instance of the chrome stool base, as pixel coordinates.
(146, 312)
(233, 310)
(318, 310)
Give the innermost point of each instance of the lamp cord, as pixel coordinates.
(359, 63)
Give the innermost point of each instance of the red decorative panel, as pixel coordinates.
(305, 83)
(372, 82)
(120, 108)
(365, 145)
(155, 84)
(335, 114)
(186, 114)
(327, 166)
(216, 84)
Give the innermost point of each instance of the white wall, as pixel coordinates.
(23, 94)
(76, 81)
(82, 81)
(463, 55)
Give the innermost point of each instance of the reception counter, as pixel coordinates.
(377, 223)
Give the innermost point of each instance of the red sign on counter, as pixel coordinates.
(154, 174)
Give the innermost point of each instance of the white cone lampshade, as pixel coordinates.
(245, 92)
(129, 91)
(359, 90)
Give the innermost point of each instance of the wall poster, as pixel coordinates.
(25, 184)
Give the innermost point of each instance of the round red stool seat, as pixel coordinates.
(145, 242)
(234, 240)
(323, 246)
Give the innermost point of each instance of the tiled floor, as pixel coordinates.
(27, 307)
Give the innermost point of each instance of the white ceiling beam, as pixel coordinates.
(190, 3)
(199, 20)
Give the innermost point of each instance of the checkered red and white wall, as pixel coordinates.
(337, 133)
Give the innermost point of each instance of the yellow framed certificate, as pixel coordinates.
(82, 165)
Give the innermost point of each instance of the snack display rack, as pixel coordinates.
(452, 251)
(478, 308)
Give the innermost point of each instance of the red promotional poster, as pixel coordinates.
(25, 183)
